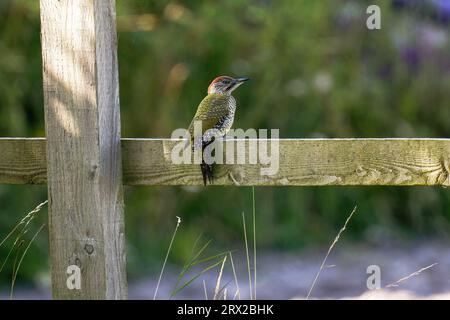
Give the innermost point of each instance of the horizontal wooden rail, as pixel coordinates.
(303, 162)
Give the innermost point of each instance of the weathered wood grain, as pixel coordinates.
(23, 161)
(303, 162)
(81, 96)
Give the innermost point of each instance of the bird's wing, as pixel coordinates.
(211, 111)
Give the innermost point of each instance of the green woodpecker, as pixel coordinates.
(215, 114)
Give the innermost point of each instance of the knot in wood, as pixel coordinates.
(89, 248)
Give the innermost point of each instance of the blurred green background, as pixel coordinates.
(316, 71)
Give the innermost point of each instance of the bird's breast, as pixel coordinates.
(232, 105)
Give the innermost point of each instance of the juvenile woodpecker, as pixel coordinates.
(216, 115)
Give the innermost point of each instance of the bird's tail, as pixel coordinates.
(207, 173)
(207, 169)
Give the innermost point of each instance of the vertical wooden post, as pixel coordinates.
(82, 115)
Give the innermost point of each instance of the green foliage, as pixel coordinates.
(316, 72)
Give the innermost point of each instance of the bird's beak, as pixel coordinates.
(241, 80)
(237, 82)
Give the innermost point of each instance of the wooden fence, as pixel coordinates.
(85, 163)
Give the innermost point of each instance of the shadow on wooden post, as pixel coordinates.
(84, 173)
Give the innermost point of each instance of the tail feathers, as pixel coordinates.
(207, 169)
(207, 173)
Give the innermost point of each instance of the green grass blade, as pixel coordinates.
(28, 217)
(210, 258)
(190, 261)
(238, 293)
(219, 278)
(167, 255)
(254, 243)
(21, 259)
(248, 257)
(176, 291)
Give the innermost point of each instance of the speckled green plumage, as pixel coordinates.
(211, 111)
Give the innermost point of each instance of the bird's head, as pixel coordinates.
(225, 84)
